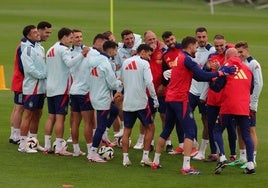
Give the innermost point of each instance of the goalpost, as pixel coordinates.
(217, 2)
(212, 3)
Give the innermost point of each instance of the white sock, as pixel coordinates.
(203, 146)
(157, 158)
(254, 156)
(145, 155)
(243, 155)
(11, 132)
(47, 141)
(186, 162)
(93, 151)
(141, 138)
(181, 145)
(125, 157)
(168, 142)
(88, 147)
(32, 135)
(196, 145)
(76, 148)
(105, 134)
(152, 143)
(58, 144)
(16, 134)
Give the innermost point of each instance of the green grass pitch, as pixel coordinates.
(235, 21)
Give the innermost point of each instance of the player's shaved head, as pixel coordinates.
(231, 52)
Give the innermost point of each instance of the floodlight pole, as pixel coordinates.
(112, 15)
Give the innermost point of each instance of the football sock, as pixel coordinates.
(254, 156)
(58, 144)
(47, 141)
(168, 142)
(32, 135)
(186, 163)
(203, 146)
(141, 138)
(12, 132)
(76, 148)
(88, 147)
(16, 134)
(93, 151)
(105, 134)
(157, 158)
(125, 157)
(243, 154)
(145, 155)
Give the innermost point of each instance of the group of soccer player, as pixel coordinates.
(113, 84)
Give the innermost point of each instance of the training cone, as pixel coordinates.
(2, 79)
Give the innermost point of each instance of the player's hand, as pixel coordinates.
(118, 97)
(167, 74)
(85, 50)
(227, 70)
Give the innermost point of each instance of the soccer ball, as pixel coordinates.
(106, 153)
(64, 145)
(119, 142)
(32, 143)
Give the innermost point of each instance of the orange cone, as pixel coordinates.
(2, 79)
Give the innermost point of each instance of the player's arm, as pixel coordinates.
(112, 82)
(69, 60)
(29, 64)
(148, 79)
(258, 84)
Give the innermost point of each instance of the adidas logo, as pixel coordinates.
(131, 66)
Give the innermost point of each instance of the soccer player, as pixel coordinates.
(198, 90)
(169, 57)
(109, 35)
(79, 95)
(156, 67)
(33, 88)
(178, 107)
(236, 91)
(96, 49)
(102, 82)
(127, 48)
(16, 87)
(45, 29)
(255, 68)
(214, 102)
(137, 77)
(59, 60)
